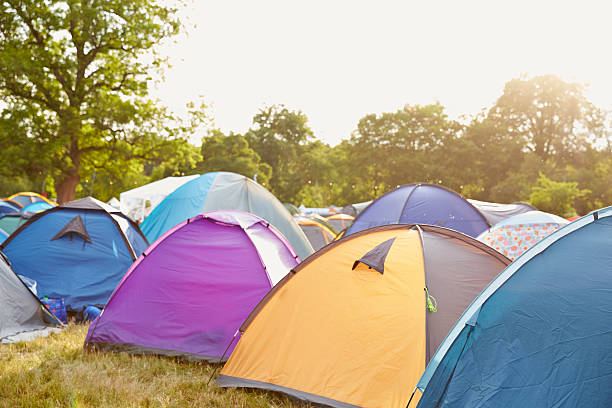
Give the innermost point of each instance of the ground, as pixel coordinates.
(56, 372)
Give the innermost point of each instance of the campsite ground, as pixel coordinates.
(54, 372)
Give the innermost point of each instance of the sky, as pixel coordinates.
(337, 61)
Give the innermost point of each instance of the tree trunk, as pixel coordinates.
(66, 188)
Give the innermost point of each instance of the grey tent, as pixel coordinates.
(495, 212)
(355, 209)
(22, 315)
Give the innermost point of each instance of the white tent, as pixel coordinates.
(140, 201)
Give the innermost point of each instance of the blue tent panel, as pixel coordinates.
(541, 331)
(7, 208)
(185, 202)
(422, 204)
(37, 207)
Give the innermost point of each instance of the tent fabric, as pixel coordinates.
(331, 334)
(74, 226)
(340, 221)
(224, 191)
(516, 234)
(20, 310)
(354, 209)
(37, 207)
(495, 212)
(539, 334)
(375, 258)
(83, 273)
(7, 208)
(422, 204)
(190, 291)
(318, 235)
(140, 201)
(10, 222)
(25, 198)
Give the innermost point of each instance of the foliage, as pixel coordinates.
(74, 83)
(232, 153)
(555, 197)
(278, 136)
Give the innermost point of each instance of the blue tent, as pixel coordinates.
(37, 207)
(539, 335)
(78, 251)
(422, 204)
(7, 208)
(224, 191)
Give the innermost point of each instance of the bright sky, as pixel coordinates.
(340, 60)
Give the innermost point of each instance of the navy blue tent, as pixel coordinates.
(422, 204)
(78, 251)
(539, 335)
(7, 208)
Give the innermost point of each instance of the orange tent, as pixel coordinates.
(355, 323)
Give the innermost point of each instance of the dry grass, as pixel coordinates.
(56, 372)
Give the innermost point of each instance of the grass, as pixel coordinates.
(56, 372)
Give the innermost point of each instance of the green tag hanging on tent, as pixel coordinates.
(432, 304)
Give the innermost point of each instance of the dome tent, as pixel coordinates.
(340, 221)
(77, 251)
(539, 334)
(422, 204)
(224, 191)
(495, 212)
(317, 233)
(349, 326)
(516, 234)
(6, 207)
(25, 198)
(140, 201)
(22, 315)
(210, 271)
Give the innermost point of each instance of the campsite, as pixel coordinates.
(389, 204)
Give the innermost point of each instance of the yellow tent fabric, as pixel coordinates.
(353, 351)
(338, 332)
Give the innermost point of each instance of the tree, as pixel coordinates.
(232, 153)
(73, 79)
(551, 117)
(555, 197)
(279, 136)
(396, 148)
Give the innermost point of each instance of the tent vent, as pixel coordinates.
(375, 258)
(74, 227)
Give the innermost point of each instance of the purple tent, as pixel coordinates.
(190, 291)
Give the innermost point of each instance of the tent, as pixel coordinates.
(77, 251)
(293, 210)
(422, 204)
(539, 335)
(6, 207)
(349, 327)
(516, 234)
(37, 207)
(190, 291)
(22, 315)
(317, 233)
(355, 209)
(495, 212)
(140, 201)
(10, 222)
(340, 221)
(224, 191)
(25, 198)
